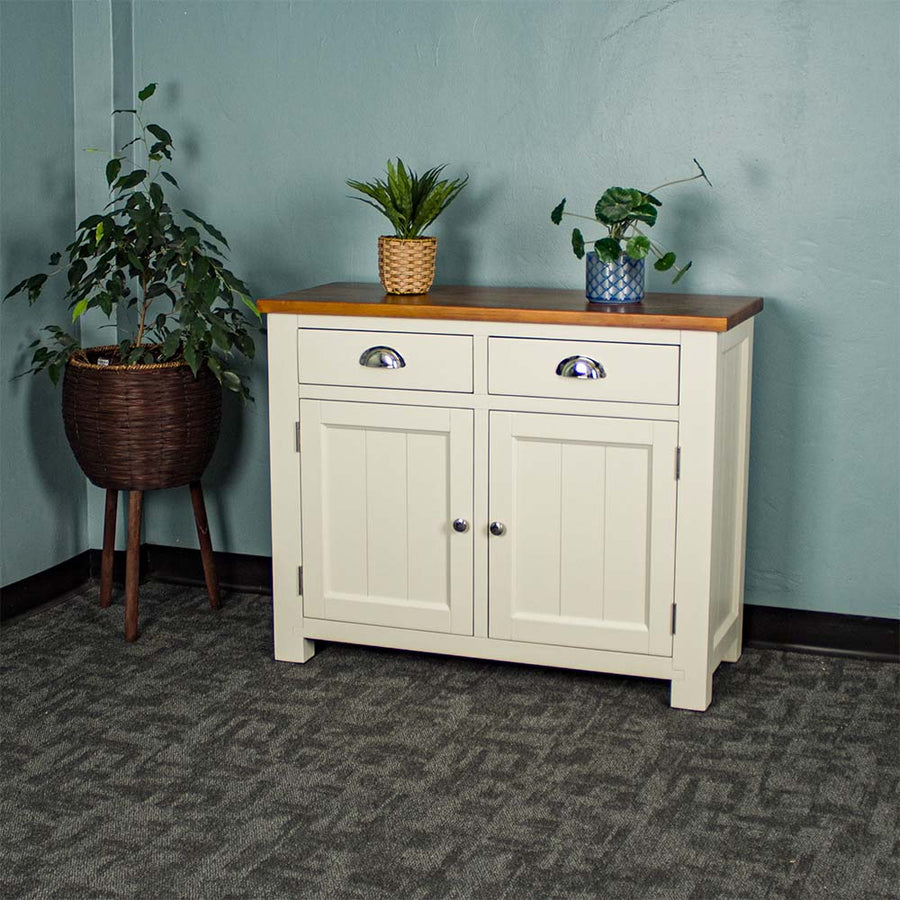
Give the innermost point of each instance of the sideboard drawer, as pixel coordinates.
(385, 359)
(583, 370)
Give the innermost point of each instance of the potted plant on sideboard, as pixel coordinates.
(615, 267)
(144, 413)
(411, 202)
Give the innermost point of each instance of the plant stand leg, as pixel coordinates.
(206, 551)
(109, 548)
(133, 564)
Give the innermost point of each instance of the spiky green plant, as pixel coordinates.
(410, 202)
(620, 210)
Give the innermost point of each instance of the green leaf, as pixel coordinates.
(231, 380)
(147, 92)
(664, 263)
(250, 304)
(617, 204)
(98, 232)
(80, 308)
(160, 133)
(638, 246)
(209, 228)
(170, 345)
(681, 272)
(76, 271)
(190, 357)
(55, 258)
(169, 178)
(557, 214)
(89, 223)
(113, 167)
(156, 195)
(16, 289)
(644, 212)
(35, 286)
(608, 249)
(577, 243)
(221, 337)
(245, 344)
(130, 180)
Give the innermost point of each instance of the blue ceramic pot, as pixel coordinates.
(616, 283)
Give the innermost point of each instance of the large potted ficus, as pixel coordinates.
(411, 202)
(615, 266)
(144, 413)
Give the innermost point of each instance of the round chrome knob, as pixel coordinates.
(460, 525)
(497, 528)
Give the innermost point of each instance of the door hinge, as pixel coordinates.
(677, 463)
(674, 615)
(300, 580)
(297, 436)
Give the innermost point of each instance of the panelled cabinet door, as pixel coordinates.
(587, 557)
(381, 486)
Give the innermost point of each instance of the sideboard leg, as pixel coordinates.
(109, 547)
(694, 691)
(206, 551)
(133, 564)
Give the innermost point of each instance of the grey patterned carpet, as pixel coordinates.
(191, 765)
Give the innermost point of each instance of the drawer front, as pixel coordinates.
(386, 359)
(583, 370)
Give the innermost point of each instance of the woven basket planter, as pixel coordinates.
(406, 265)
(140, 428)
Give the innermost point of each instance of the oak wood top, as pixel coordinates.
(507, 304)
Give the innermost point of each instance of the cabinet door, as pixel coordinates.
(588, 555)
(381, 486)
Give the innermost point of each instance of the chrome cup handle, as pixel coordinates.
(381, 358)
(580, 367)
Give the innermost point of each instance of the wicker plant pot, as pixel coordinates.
(140, 428)
(406, 265)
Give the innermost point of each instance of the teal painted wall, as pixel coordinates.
(791, 106)
(42, 510)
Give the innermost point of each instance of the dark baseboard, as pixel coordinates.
(235, 571)
(807, 631)
(29, 593)
(764, 626)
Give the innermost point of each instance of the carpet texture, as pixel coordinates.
(191, 765)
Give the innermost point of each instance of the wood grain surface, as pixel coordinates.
(510, 304)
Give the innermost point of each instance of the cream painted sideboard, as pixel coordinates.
(512, 474)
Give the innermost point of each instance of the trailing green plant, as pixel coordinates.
(135, 255)
(622, 211)
(411, 202)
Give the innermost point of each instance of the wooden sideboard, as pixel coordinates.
(512, 474)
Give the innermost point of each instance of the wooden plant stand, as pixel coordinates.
(132, 564)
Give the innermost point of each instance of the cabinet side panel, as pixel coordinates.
(730, 492)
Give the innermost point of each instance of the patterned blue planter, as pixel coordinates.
(618, 282)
